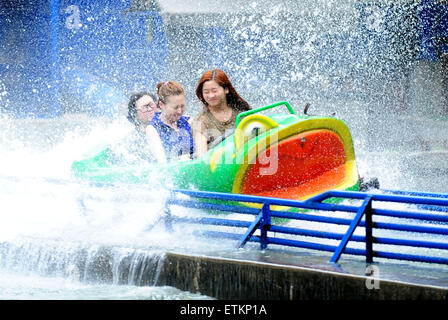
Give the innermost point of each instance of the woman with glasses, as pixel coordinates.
(141, 110)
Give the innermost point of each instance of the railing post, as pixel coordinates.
(366, 205)
(369, 237)
(167, 217)
(250, 231)
(265, 224)
(262, 221)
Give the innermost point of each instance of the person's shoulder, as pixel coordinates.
(201, 113)
(200, 121)
(156, 117)
(184, 122)
(184, 119)
(202, 116)
(155, 120)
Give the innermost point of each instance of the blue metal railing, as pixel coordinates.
(402, 229)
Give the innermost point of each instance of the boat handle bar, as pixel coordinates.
(249, 112)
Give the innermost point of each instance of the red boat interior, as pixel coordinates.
(307, 164)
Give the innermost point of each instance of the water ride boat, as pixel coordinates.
(282, 155)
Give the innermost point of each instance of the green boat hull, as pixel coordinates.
(281, 155)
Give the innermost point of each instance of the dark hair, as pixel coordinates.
(167, 89)
(132, 111)
(233, 98)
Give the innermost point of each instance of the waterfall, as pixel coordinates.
(84, 263)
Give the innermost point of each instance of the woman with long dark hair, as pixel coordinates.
(221, 105)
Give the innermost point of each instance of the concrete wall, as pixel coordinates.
(220, 277)
(234, 279)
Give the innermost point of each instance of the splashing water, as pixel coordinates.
(353, 58)
(54, 246)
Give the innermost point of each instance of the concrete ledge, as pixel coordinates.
(224, 278)
(249, 276)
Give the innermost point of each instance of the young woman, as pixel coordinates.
(221, 104)
(169, 133)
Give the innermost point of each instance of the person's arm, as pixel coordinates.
(200, 140)
(155, 144)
